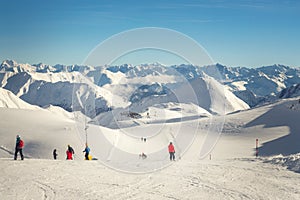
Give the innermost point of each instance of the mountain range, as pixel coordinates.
(99, 89)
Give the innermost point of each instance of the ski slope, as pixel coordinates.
(226, 179)
(229, 171)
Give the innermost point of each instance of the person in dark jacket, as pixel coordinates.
(54, 154)
(87, 151)
(19, 147)
(171, 149)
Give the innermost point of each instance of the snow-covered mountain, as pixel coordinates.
(253, 84)
(96, 89)
(129, 84)
(293, 91)
(64, 87)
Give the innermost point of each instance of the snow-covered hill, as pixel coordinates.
(230, 165)
(155, 114)
(9, 100)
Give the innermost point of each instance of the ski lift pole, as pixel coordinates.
(85, 125)
(256, 148)
(86, 135)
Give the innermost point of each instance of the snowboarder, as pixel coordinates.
(54, 154)
(70, 152)
(87, 152)
(171, 151)
(19, 147)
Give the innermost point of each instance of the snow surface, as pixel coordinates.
(227, 179)
(229, 171)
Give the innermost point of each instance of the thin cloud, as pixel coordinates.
(252, 6)
(190, 5)
(194, 20)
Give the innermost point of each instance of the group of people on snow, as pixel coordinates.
(70, 151)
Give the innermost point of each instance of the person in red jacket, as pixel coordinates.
(70, 152)
(171, 151)
(19, 148)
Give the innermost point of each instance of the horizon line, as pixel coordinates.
(153, 63)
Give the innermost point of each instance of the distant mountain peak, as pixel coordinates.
(9, 63)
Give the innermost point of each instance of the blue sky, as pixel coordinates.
(234, 33)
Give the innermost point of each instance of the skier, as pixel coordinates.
(87, 151)
(54, 154)
(143, 155)
(171, 151)
(70, 152)
(19, 147)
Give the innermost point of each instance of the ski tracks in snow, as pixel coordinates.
(199, 179)
(48, 192)
(234, 179)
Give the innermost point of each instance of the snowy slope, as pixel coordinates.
(227, 179)
(41, 130)
(158, 113)
(60, 111)
(212, 96)
(165, 122)
(230, 172)
(9, 100)
(275, 125)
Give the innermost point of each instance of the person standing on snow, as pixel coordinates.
(171, 151)
(54, 154)
(19, 147)
(70, 152)
(87, 151)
